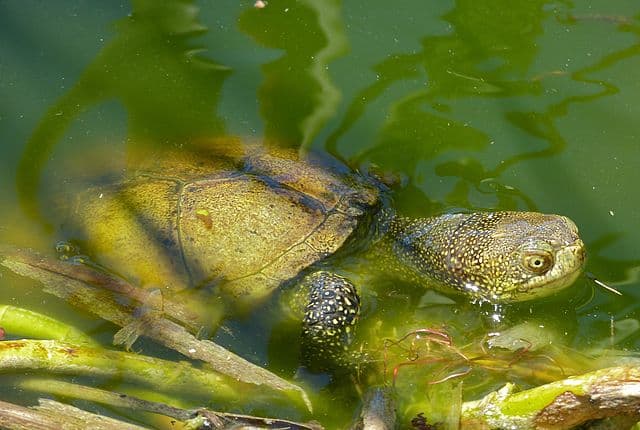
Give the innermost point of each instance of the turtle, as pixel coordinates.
(243, 219)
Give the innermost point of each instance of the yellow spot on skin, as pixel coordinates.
(204, 216)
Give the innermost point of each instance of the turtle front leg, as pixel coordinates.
(331, 310)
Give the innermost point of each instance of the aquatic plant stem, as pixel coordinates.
(191, 418)
(64, 358)
(51, 415)
(75, 391)
(19, 322)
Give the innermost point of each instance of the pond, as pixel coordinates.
(466, 105)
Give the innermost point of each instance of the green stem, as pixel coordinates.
(25, 323)
(63, 358)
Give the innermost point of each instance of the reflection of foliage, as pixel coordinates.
(499, 31)
(297, 96)
(488, 54)
(150, 67)
(409, 123)
(456, 65)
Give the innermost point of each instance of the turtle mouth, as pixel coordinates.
(576, 255)
(570, 260)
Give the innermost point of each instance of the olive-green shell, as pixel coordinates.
(244, 222)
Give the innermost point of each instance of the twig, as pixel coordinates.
(99, 279)
(378, 410)
(97, 395)
(51, 415)
(559, 405)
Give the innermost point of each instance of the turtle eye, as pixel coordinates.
(538, 262)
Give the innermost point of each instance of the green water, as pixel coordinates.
(472, 104)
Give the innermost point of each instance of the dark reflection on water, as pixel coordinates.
(487, 55)
(297, 95)
(468, 62)
(474, 117)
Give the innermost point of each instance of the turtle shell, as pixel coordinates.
(244, 222)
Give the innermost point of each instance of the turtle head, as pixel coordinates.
(498, 256)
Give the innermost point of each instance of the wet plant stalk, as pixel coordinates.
(64, 358)
(76, 391)
(192, 418)
(51, 415)
(19, 322)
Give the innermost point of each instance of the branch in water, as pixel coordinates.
(61, 280)
(605, 393)
(192, 418)
(51, 415)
